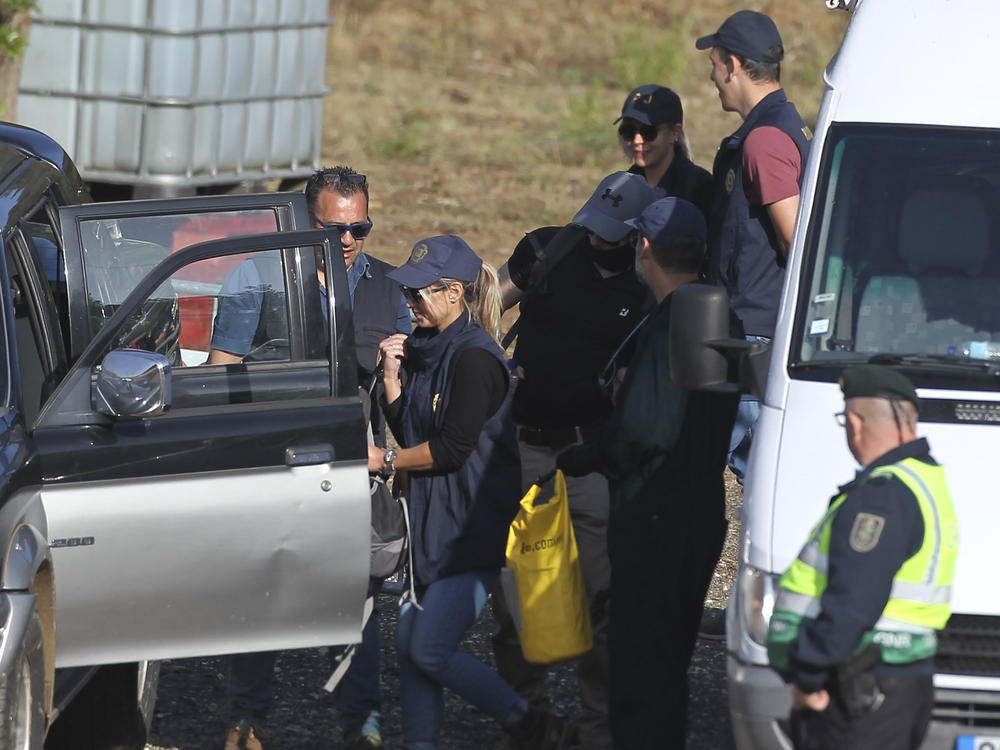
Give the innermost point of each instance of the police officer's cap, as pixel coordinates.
(877, 381)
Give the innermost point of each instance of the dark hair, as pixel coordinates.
(758, 70)
(344, 180)
(681, 255)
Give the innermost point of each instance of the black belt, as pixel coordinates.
(555, 437)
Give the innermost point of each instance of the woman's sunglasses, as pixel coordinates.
(359, 229)
(413, 293)
(648, 132)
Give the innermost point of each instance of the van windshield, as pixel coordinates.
(903, 253)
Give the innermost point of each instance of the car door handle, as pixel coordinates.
(307, 455)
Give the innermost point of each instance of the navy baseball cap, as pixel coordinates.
(669, 218)
(445, 256)
(748, 34)
(619, 197)
(653, 105)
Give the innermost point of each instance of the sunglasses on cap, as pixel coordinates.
(336, 177)
(413, 294)
(648, 132)
(359, 229)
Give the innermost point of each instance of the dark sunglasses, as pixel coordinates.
(648, 132)
(359, 229)
(413, 294)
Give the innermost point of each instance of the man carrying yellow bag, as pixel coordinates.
(552, 613)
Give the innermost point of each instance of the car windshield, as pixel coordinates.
(903, 253)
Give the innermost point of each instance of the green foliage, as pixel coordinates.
(406, 142)
(587, 126)
(650, 54)
(12, 42)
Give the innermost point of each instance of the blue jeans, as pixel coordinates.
(359, 692)
(250, 687)
(429, 660)
(742, 435)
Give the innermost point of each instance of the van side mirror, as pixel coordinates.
(132, 383)
(702, 349)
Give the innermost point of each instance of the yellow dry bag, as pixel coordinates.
(552, 602)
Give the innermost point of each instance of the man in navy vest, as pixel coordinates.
(757, 175)
(337, 198)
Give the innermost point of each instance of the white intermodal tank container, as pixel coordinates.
(171, 95)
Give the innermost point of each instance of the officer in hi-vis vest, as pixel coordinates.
(856, 617)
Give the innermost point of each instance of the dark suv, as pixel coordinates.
(153, 505)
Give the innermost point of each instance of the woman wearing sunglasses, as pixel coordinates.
(651, 133)
(463, 486)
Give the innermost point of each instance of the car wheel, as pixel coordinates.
(22, 691)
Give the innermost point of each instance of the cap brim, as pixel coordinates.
(638, 117)
(409, 275)
(705, 42)
(602, 225)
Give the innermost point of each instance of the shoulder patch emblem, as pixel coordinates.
(866, 532)
(730, 180)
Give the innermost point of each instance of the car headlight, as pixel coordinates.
(756, 601)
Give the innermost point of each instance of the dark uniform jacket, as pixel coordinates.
(859, 583)
(658, 430)
(683, 179)
(743, 252)
(459, 519)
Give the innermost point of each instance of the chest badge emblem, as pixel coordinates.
(730, 180)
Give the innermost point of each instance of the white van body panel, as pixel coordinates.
(918, 61)
(910, 63)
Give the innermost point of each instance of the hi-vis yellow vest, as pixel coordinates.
(919, 602)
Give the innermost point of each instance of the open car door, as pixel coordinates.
(225, 508)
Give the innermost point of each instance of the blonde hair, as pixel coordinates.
(482, 298)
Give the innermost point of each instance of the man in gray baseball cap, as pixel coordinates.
(579, 298)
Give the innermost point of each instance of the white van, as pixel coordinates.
(896, 259)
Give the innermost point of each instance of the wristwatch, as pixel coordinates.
(388, 459)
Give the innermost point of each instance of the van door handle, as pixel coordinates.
(307, 455)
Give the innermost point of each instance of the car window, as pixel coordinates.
(236, 313)
(119, 252)
(29, 337)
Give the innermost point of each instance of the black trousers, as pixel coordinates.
(661, 566)
(900, 723)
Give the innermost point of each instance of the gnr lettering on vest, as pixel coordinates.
(541, 544)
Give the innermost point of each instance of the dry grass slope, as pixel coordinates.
(487, 119)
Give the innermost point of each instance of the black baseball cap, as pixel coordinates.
(748, 34)
(653, 105)
(443, 257)
(877, 381)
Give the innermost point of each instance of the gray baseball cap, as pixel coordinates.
(620, 196)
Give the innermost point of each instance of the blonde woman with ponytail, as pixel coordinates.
(460, 453)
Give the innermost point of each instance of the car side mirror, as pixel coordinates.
(703, 351)
(132, 383)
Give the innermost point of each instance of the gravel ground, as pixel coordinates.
(190, 712)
